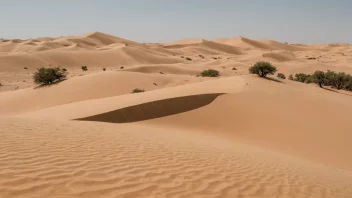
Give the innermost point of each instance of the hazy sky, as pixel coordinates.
(294, 21)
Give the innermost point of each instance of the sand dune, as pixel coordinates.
(99, 85)
(76, 159)
(164, 69)
(280, 56)
(236, 135)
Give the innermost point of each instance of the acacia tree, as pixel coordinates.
(337, 80)
(262, 68)
(319, 78)
(46, 76)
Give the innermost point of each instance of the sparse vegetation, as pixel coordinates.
(64, 69)
(311, 58)
(25, 67)
(104, 69)
(182, 57)
(301, 77)
(201, 56)
(188, 58)
(137, 90)
(281, 75)
(262, 68)
(210, 73)
(319, 78)
(234, 68)
(290, 77)
(121, 67)
(337, 80)
(215, 58)
(46, 76)
(84, 68)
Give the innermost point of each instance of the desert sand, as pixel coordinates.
(236, 135)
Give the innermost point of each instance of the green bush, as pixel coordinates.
(262, 68)
(336, 80)
(281, 75)
(137, 90)
(46, 76)
(348, 83)
(84, 68)
(304, 78)
(290, 77)
(319, 78)
(210, 73)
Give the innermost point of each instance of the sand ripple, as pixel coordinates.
(81, 159)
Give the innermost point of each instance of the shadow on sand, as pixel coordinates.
(155, 109)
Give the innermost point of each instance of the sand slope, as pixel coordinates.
(187, 136)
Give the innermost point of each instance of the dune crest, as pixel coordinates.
(186, 135)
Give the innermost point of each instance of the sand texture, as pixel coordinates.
(236, 135)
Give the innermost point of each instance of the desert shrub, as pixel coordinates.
(46, 76)
(215, 58)
(104, 69)
(234, 68)
(201, 56)
(290, 77)
(319, 78)
(121, 67)
(25, 67)
(304, 78)
(262, 68)
(182, 57)
(137, 90)
(348, 83)
(311, 58)
(336, 80)
(281, 75)
(188, 58)
(210, 73)
(84, 68)
(64, 69)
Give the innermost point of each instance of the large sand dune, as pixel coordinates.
(186, 136)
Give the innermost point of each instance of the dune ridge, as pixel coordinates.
(236, 135)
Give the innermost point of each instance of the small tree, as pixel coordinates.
(281, 75)
(210, 73)
(262, 68)
(84, 68)
(46, 76)
(319, 78)
(348, 84)
(301, 77)
(290, 77)
(337, 80)
(137, 90)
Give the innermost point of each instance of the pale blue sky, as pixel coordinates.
(294, 21)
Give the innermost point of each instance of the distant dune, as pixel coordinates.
(236, 135)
